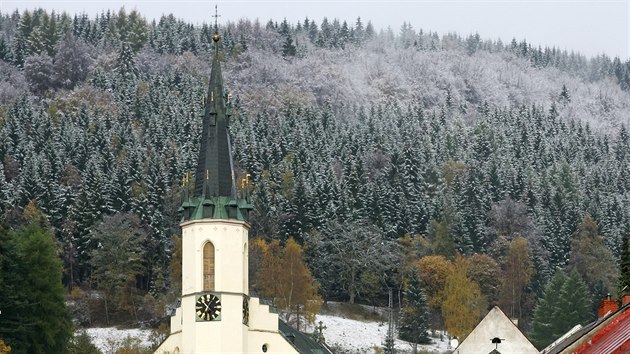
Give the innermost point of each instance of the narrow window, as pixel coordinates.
(208, 267)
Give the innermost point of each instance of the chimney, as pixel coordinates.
(625, 298)
(607, 305)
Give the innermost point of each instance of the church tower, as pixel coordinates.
(215, 237)
(216, 313)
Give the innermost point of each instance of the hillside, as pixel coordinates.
(403, 145)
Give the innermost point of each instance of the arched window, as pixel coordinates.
(208, 266)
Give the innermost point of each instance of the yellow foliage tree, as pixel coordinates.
(257, 250)
(463, 303)
(4, 348)
(32, 215)
(285, 279)
(269, 274)
(518, 274)
(433, 271)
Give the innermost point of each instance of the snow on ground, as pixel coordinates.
(108, 339)
(362, 337)
(351, 335)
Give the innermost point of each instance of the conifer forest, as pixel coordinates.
(387, 155)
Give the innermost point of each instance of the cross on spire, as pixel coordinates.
(216, 19)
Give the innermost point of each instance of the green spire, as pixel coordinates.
(214, 195)
(214, 177)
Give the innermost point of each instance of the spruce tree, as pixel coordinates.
(576, 300)
(34, 316)
(565, 303)
(414, 319)
(545, 324)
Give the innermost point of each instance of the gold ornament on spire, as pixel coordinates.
(245, 181)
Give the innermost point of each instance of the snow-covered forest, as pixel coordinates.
(351, 136)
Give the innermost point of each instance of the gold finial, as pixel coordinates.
(229, 97)
(207, 175)
(211, 96)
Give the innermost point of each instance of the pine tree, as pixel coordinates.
(34, 316)
(545, 323)
(564, 98)
(125, 63)
(288, 48)
(565, 303)
(414, 320)
(138, 31)
(5, 50)
(576, 300)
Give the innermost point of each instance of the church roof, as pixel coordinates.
(496, 325)
(303, 343)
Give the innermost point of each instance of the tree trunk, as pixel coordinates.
(106, 310)
(352, 286)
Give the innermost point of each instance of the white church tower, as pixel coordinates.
(216, 315)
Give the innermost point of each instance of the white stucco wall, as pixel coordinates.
(229, 334)
(496, 324)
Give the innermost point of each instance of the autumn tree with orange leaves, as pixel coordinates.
(284, 278)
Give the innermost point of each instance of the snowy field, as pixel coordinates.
(107, 340)
(351, 335)
(361, 337)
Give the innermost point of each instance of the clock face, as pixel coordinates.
(245, 310)
(208, 307)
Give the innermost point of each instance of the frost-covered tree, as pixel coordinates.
(345, 251)
(118, 259)
(38, 70)
(72, 62)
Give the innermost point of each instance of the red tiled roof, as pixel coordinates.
(612, 339)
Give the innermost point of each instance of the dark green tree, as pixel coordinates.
(565, 303)
(545, 323)
(288, 48)
(414, 320)
(34, 316)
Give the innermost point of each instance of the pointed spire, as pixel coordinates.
(214, 175)
(214, 195)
